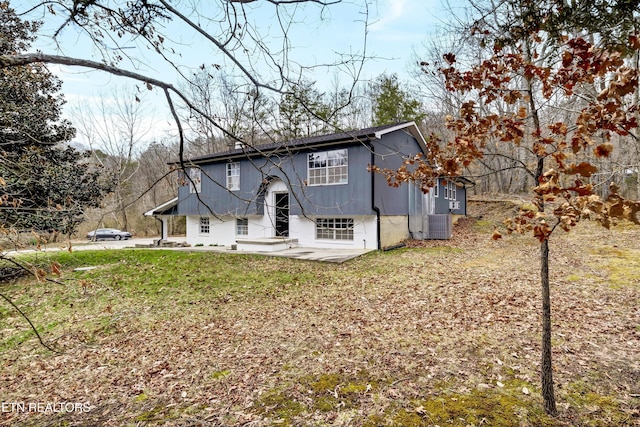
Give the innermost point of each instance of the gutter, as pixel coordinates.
(373, 195)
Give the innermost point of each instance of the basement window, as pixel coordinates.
(205, 225)
(334, 228)
(242, 226)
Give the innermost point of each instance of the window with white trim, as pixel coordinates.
(436, 189)
(450, 190)
(205, 225)
(233, 176)
(242, 226)
(334, 228)
(195, 182)
(328, 167)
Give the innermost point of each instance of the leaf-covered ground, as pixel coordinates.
(441, 333)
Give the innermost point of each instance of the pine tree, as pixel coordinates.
(393, 104)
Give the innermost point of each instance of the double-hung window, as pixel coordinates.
(233, 176)
(334, 228)
(450, 190)
(195, 180)
(205, 225)
(328, 167)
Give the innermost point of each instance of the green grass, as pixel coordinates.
(148, 285)
(129, 291)
(621, 264)
(323, 393)
(152, 271)
(505, 406)
(484, 226)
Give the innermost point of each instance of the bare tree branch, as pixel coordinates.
(33, 328)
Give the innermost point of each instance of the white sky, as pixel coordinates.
(396, 28)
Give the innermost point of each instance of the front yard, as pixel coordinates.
(446, 333)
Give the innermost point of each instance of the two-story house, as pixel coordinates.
(313, 192)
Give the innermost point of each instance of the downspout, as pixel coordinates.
(373, 194)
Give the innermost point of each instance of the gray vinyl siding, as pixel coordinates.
(390, 153)
(214, 196)
(442, 204)
(353, 198)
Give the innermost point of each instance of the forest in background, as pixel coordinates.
(224, 107)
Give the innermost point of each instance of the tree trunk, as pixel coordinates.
(636, 132)
(121, 207)
(546, 368)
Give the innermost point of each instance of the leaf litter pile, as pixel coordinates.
(439, 333)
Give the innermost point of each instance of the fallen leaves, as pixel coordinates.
(55, 269)
(454, 315)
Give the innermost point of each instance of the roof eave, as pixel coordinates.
(241, 153)
(410, 127)
(171, 203)
(297, 145)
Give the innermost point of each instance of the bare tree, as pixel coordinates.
(226, 32)
(116, 131)
(159, 184)
(240, 109)
(351, 105)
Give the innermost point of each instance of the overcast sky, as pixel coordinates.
(396, 28)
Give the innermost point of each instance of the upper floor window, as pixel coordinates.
(328, 167)
(450, 190)
(195, 181)
(233, 176)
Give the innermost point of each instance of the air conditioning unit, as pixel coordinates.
(440, 227)
(454, 205)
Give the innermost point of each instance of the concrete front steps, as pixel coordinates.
(265, 244)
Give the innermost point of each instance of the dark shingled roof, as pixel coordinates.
(313, 141)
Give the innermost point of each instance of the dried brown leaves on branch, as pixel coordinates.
(562, 107)
(510, 77)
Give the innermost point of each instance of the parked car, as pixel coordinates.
(108, 233)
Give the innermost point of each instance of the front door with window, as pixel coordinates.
(282, 214)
